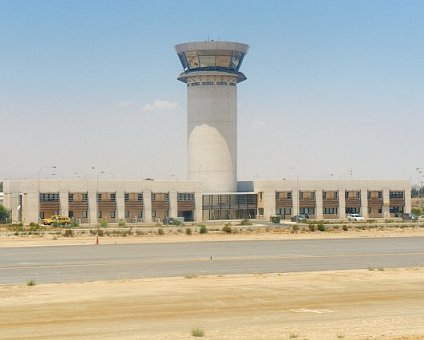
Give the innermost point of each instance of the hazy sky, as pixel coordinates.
(331, 86)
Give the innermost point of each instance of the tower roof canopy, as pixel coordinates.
(211, 55)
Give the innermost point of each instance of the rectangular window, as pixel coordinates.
(289, 195)
(330, 211)
(140, 197)
(127, 214)
(99, 197)
(99, 214)
(207, 83)
(396, 194)
(113, 197)
(324, 194)
(127, 197)
(221, 83)
(70, 197)
(113, 214)
(71, 214)
(85, 214)
(85, 197)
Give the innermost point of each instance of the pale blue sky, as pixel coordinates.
(332, 86)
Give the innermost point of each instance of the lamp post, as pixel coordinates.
(38, 184)
(420, 186)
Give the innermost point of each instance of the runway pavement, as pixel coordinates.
(132, 261)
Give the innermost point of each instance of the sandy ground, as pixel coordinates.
(359, 304)
(276, 234)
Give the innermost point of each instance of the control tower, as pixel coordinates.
(211, 72)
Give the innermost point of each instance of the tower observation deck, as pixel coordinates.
(211, 72)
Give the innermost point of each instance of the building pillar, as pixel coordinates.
(92, 207)
(30, 204)
(198, 210)
(364, 202)
(173, 202)
(269, 204)
(386, 203)
(147, 209)
(120, 205)
(295, 202)
(407, 196)
(64, 203)
(319, 205)
(342, 204)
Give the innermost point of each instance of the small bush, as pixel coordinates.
(245, 222)
(74, 223)
(121, 222)
(100, 233)
(68, 233)
(345, 227)
(31, 282)
(203, 229)
(295, 229)
(227, 229)
(188, 231)
(311, 227)
(321, 227)
(197, 332)
(161, 232)
(176, 222)
(104, 223)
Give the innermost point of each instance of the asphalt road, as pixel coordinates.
(131, 261)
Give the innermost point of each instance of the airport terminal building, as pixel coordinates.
(211, 72)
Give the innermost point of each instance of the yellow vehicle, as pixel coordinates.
(61, 219)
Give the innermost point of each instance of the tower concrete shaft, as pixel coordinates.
(211, 72)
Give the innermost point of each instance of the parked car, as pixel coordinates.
(299, 218)
(409, 217)
(61, 219)
(355, 217)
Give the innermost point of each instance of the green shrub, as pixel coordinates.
(311, 227)
(55, 224)
(321, 226)
(176, 222)
(295, 229)
(74, 223)
(104, 223)
(161, 232)
(121, 222)
(188, 231)
(203, 229)
(227, 229)
(100, 233)
(245, 222)
(31, 282)
(197, 332)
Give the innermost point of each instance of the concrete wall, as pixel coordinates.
(212, 133)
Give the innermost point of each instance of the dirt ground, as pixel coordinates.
(275, 234)
(357, 304)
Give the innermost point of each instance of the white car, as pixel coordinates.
(355, 217)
